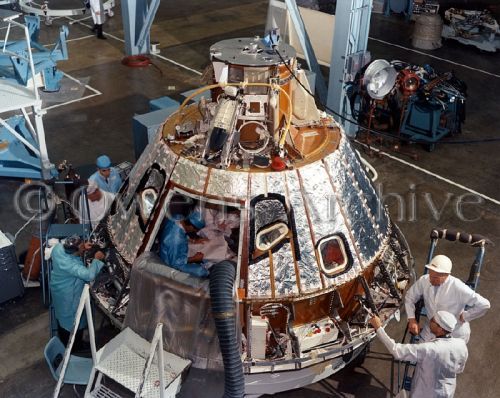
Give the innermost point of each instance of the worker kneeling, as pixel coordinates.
(438, 360)
(67, 279)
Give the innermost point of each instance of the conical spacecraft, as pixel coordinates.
(281, 247)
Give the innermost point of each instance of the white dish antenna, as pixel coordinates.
(379, 78)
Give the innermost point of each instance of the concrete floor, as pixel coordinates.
(80, 131)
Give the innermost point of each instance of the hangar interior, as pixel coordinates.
(448, 183)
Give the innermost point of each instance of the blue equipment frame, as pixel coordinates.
(16, 158)
(422, 120)
(14, 63)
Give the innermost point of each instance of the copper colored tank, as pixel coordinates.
(33, 260)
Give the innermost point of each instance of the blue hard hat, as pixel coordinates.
(196, 220)
(103, 162)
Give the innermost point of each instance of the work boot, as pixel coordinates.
(99, 32)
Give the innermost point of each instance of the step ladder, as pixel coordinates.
(138, 365)
(83, 304)
(476, 241)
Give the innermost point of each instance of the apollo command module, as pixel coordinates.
(298, 245)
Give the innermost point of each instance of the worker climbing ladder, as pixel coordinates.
(477, 241)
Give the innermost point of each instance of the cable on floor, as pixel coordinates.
(140, 61)
(136, 61)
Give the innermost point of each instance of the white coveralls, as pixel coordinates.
(97, 209)
(438, 363)
(218, 225)
(452, 296)
(97, 10)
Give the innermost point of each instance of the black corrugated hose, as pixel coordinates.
(222, 277)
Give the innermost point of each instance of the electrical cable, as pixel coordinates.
(136, 61)
(140, 61)
(28, 277)
(156, 67)
(24, 226)
(368, 167)
(377, 132)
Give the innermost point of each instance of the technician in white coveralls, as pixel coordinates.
(441, 291)
(98, 16)
(438, 361)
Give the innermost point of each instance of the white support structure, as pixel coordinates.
(43, 10)
(345, 34)
(157, 342)
(129, 360)
(307, 47)
(84, 304)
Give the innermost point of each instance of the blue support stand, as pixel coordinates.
(15, 65)
(22, 141)
(423, 119)
(162, 103)
(146, 126)
(138, 16)
(16, 158)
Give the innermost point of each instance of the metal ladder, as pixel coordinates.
(115, 367)
(127, 359)
(100, 390)
(84, 304)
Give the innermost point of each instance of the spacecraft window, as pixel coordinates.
(147, 193)
(333, 256)
(272, 225)
(270, 236)
(235, 74)
(148, 200)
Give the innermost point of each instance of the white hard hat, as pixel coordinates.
(92, 187)
(441, 264)
(446, 320)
